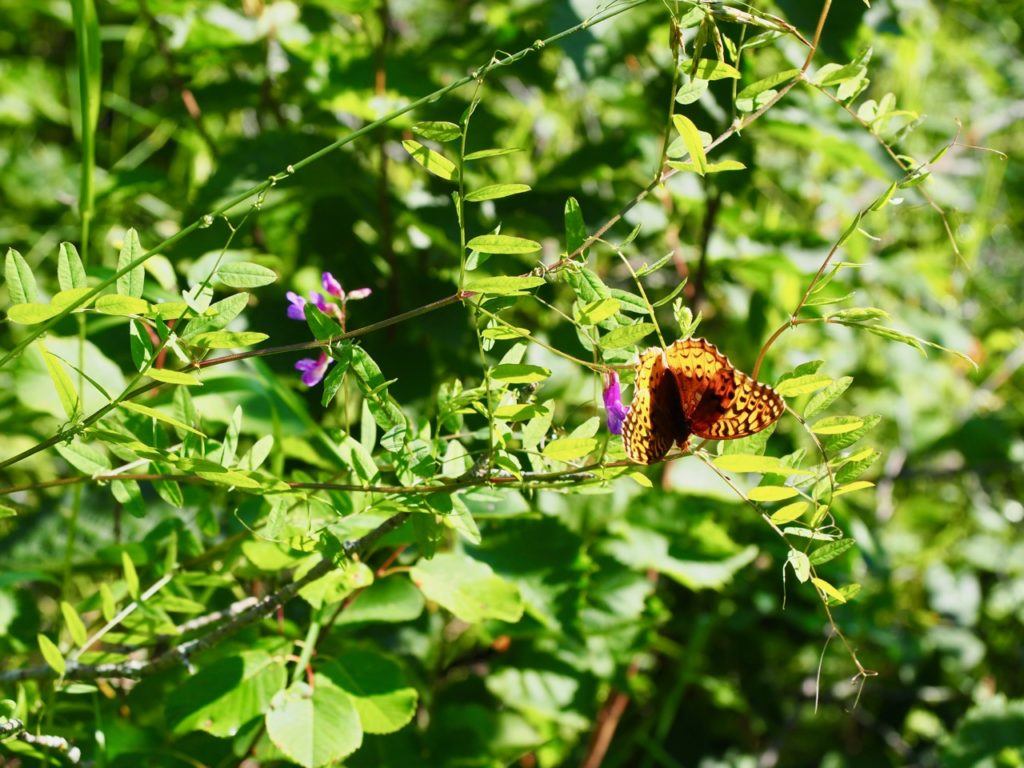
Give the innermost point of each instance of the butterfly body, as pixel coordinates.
(692, 388)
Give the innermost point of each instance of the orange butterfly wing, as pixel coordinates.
(655, 419)
(754, 406)
(719, 402)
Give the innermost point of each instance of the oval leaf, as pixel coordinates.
(434, 162)
(503, 244)
(245, 274)
(569, 448)
(626, 336)
(496, 191)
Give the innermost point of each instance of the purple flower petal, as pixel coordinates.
(359, 293)
(320, 302)
(297, 309)
(332, 286)
(615, 410)
(313, 370)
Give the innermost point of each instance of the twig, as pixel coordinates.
(123, 614)
(15, 729)
(607, 722)
(182, 654)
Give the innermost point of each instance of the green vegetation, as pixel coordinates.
(312, 318)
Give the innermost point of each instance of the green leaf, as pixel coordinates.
(859, 485)
(145, 410)
(713, 69)
(502, 244)
(121, 305)
(575, 228)
(724, 165)
(322, 326)
(829, 590)
(70, 272)
(51, 654)
(517, 411)
(626, 336)
(227, 339)
(482, 153)
(245, 274)
(771, 493)
(83, 457)
(168, 376)
(21, 284)
(670, 297)
(569, 448)
(825, 397)
(217, 315)
(789, 513)
(495, 192)
(691, 138)
(434, 162)
(314, 726)
(800, 563)
(505, 285)
(648, 269)
(802, 385)
(74, 624)
(598, 311)
(519, 373)
(437, 130)
(64, 299)
(467, 588)
(130, 283)
(830, 551)
(62, 382)
(858, 315)
(31, 313)
(892, 334)
(758, 94)
(691, 91)
(833, 74)
(382, 695)
(837, 425)
(854, 468)
(131, 576)
(393, 599)
(834, 443)
(762, 465)
(225, 694)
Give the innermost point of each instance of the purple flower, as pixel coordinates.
(297, 309)
(320, 302)
(313, 370)
(332, 286)
(358, 293)
(613, 406)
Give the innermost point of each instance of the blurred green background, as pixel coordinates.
(672, 595)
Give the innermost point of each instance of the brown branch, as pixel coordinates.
(604, 730)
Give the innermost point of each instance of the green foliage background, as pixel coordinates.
(653, 612)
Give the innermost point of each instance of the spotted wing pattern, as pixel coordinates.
(692, 388)
(720, 402)
(753, 406)
(655, 419)
(698, 368)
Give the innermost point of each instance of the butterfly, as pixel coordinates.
(691, 388)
